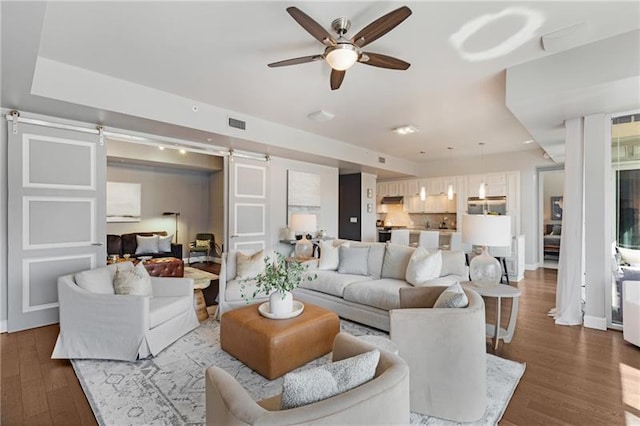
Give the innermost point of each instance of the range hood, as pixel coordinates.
(392, 200)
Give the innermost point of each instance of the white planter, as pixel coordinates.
(279, 305)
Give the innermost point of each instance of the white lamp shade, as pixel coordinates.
(486, 230)
(304, 223)
(342, 57)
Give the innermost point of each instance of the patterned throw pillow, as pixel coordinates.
(315, 384)
(202, 243)
(135, 282)
(452, 297)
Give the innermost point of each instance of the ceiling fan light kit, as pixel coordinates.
(343, 53)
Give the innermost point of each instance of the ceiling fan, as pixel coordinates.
(342, 53)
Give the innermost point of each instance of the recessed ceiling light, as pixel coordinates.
(423, 152)
(209, 139)
(528, 142)
(320, 115)
(405, 130)
(161, 148)
(194, 108)
(183, 151)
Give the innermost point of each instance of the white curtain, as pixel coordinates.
(568, 310)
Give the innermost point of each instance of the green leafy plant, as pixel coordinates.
(279, 275)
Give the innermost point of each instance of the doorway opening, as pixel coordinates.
(550, 208)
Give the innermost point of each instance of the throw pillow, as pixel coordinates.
(329, 257)
(315, 384)
(136, 282)
(146, 244)
(396, 260)
(97, 280)
(353, 260)
(248, 266)
(452, 297)
(203, 243)
(164, 243)
(423, 266)
(454, 262)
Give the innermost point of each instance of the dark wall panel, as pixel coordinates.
(350, 192)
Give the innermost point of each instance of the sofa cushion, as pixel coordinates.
(329, 254)
(249, 266)
(423, 266)
(396, 259)
(315, 384)
(146, 244)
(331, 282)
(353, 260)
(162, 309)
(376, 257)
(454, 263)
(236, 288)
(164, 243)
(135, 282)
(383, 293)
(452, 297)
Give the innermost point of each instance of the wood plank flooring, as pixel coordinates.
(574, 375)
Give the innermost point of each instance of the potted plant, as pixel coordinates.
(279, 278)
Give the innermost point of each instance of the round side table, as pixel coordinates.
(499, 291)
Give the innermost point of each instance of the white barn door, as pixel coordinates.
(56, 217)
(248, 205)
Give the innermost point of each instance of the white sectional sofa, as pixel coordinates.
(366, 296)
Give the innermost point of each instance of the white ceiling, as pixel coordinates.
(216, 53)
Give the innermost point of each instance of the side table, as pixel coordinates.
(499, 291)
(201, 280)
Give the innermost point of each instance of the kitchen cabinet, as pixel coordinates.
(393, 190)
(412, 188)
(382, 189)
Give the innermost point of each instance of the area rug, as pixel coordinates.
(170, 389)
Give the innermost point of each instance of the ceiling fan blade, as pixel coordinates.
(336, 78)
(311, 26)
(383, 61)
(296, 61)
(381, 26)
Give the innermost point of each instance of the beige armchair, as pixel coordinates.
(383, 400)
(446, 352)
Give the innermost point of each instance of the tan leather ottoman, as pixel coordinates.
(275, 347)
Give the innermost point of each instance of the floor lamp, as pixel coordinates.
(176, 214)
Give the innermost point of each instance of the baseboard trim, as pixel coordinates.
(3, 326)
(531, 266)
(597, 323)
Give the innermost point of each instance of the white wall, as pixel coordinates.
(166, 189)
(328, 218)
(368, 219)
(3, 223)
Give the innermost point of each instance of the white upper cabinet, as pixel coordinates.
(382, 189)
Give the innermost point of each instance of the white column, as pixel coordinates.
(597, 214)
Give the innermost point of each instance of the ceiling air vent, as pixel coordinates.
(238, 124)
(382, 160)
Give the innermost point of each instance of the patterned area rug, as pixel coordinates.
(169, 389)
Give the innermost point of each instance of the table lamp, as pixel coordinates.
(305, 223)
(486, 231)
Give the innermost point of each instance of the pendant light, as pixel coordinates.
(482, 190)
(450, 189)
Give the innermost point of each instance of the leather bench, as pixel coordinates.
(165, 267)
(275, 347)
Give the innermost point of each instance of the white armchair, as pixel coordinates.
(631, 312)
(122, 327)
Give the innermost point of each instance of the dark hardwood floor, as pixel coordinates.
(574, 375)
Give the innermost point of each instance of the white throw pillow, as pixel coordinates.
(353, 260)
(136, 282)
(452, 297)
(248, 266)
(396, 260)
(315, 384)
(329, 254)
(146, 244)
(423, 266)
(454, 262)
(97, 280)
(164, 243)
